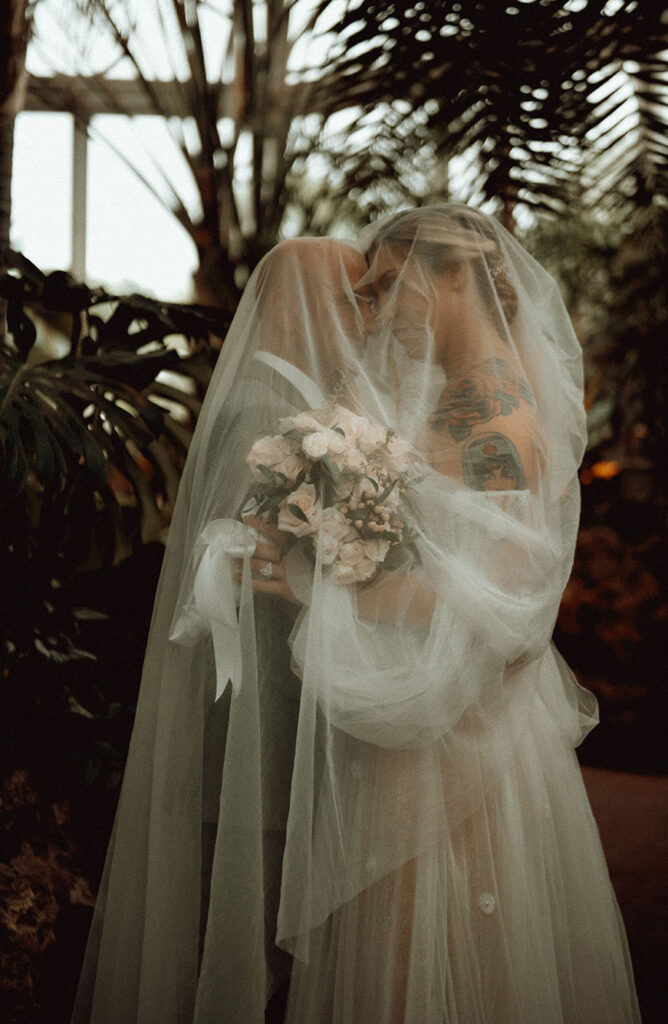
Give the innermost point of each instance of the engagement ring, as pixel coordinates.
(267, 571)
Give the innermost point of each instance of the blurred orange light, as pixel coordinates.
(606, 470)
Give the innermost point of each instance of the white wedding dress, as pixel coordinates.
(510, 916)
(380, 806)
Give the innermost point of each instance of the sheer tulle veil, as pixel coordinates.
(373, 792)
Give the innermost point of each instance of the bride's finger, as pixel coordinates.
(277, 569)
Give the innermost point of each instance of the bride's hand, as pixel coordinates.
(268, 554)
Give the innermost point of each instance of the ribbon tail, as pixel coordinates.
(227, 636)
(214, 605)
(227, 653)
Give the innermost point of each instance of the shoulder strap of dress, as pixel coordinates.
(309, 390)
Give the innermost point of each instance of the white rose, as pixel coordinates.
(344, 574)
(371, 436)
(315, 445)
(323, 442)
(290, 467)
(335, 441)
(353, 555)
(266, 452)
(353, 459)
(304, 498)
(398, 454)
(348, 457)
(334, 528)
(303, 421)
(376, 549)
(365, 570)
(347, 421)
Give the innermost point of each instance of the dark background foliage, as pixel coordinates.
(76, 430)
(91, 446)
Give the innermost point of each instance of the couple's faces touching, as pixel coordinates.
(421, 307)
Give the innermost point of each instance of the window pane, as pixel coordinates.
(41, 225)
(133, 241)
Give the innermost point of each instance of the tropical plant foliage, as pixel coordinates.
(638, 332)
(612, 277)
(225, 81)
(532, 102)
(91, 441)
(541, 99)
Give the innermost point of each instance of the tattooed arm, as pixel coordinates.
(484, 433)
(484, 430)
(491, 462)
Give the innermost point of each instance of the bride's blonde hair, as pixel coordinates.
(449, 238)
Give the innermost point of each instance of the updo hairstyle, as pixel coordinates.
(449, 238)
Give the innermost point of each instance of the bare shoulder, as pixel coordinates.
(494, 387)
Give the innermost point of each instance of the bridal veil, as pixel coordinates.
(374, 793)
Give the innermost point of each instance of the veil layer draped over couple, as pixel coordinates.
(352, 775)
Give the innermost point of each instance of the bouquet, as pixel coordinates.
(337, 482)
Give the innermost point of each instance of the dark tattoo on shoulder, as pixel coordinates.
(491, 389)
(491, 462)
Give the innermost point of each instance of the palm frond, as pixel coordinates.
(526, 88)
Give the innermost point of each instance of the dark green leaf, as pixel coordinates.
(386, 493)
(297, 512)
(332, 469)
(62, 293)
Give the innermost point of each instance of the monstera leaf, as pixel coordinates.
(98, 406)
(91, 441)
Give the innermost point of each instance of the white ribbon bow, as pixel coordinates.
(212, 607)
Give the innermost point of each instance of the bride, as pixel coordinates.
(351, 776)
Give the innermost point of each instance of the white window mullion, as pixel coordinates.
(79, 195)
